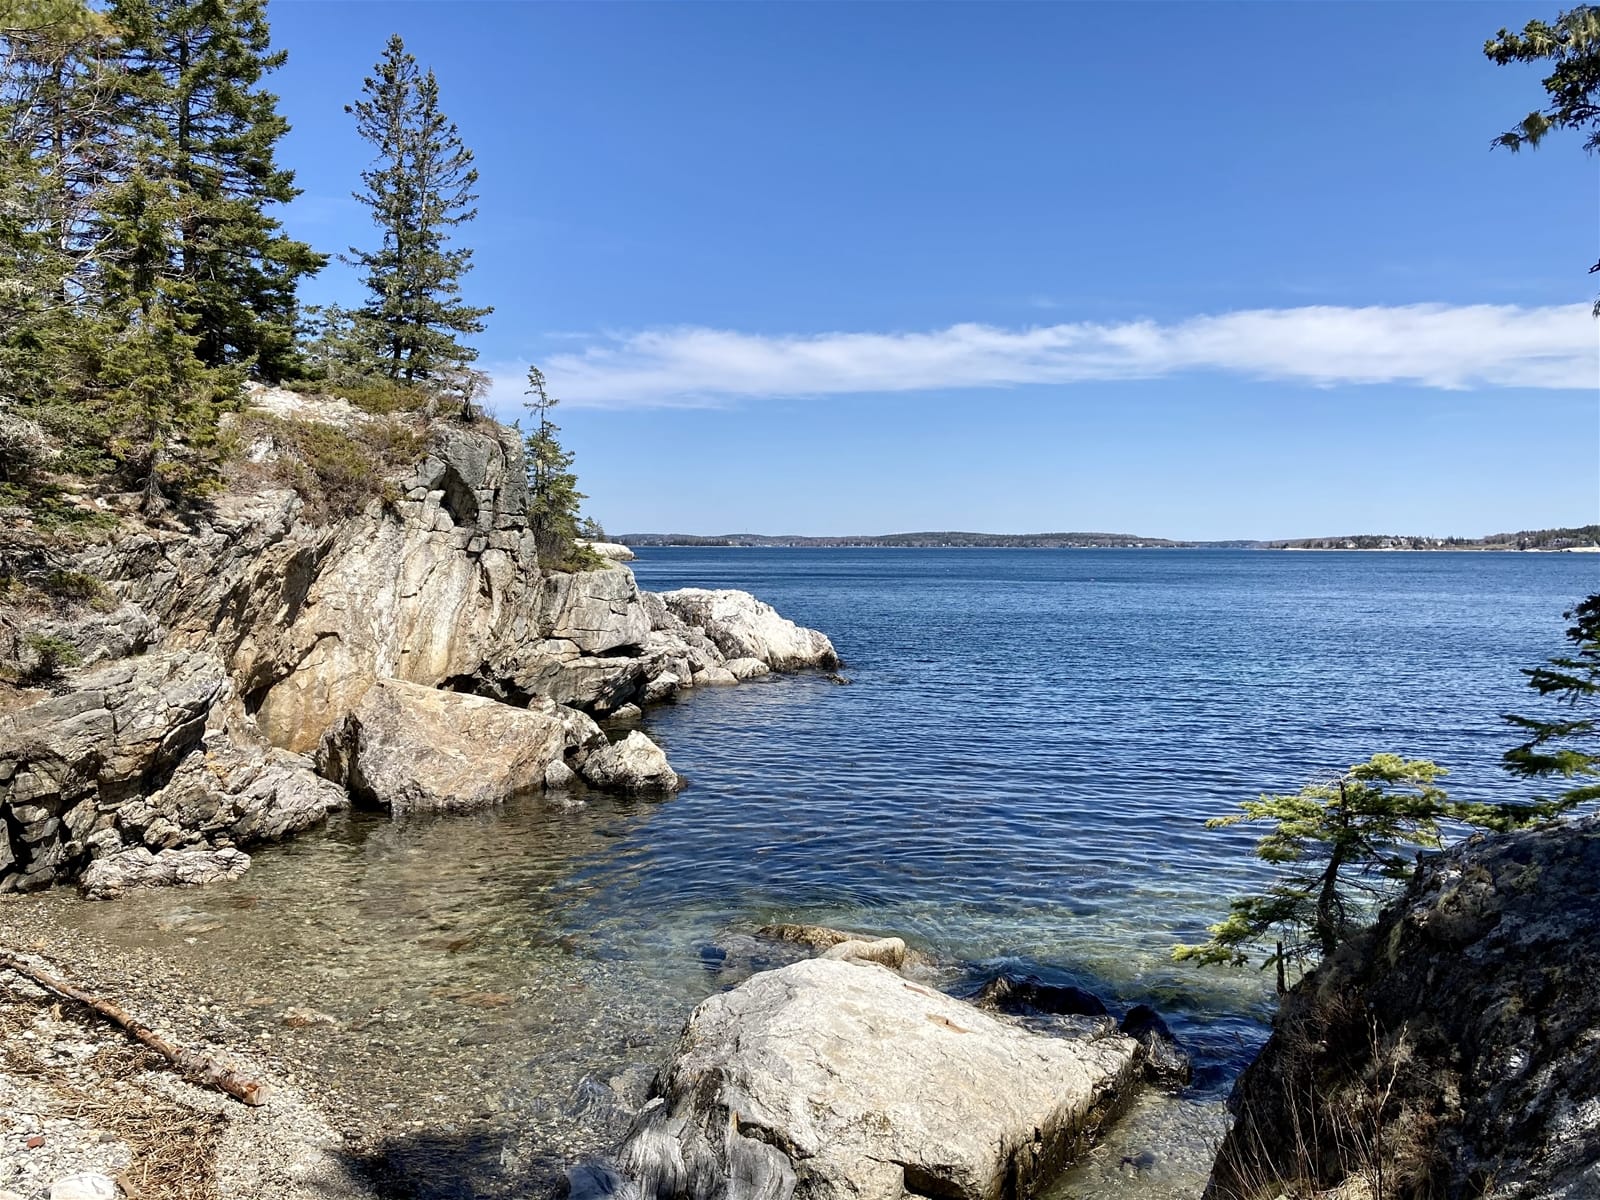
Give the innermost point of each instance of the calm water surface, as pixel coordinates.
(1017, 775)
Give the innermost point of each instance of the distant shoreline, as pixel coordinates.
(1178, 546)
(1577, 539)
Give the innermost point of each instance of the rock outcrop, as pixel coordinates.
(222, 654)
(139, 755)
(742, 627)
(68, 762)
(1452, 1049)
(835, 1079)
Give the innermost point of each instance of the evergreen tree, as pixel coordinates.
(138, 365)
(1554, 749)
(61, 155)
(419, 189)
(207, 133)
(553, 495)
(1347, 845)
(1571, 45)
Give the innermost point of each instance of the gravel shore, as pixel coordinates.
(86, 1113)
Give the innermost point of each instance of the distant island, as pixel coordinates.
(1582, 537)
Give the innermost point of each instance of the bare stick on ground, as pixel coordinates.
(193, 1065)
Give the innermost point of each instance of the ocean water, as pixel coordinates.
(1017, 775)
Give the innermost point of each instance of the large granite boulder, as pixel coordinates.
(841, 1081)
(410, 748)
(1454, 1047)
(743, 627)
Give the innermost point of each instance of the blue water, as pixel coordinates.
(1032, 740)
(1018, 775)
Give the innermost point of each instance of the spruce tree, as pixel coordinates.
(1344, 847)
(62, 153)
(1566, 746)
(207, 132)
(553, 495)
(419, 189)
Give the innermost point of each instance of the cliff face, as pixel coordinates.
(1451, 1051)
(235, 648)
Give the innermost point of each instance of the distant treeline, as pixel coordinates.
(945, 539)
(1527, 539)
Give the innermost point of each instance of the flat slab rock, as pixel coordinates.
(840, 1080)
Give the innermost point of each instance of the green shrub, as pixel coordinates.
(51, 655)
(339, 471)
(385, 397)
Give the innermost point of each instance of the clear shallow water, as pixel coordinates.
(1018, 774)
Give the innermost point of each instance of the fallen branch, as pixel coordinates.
(196, 1067)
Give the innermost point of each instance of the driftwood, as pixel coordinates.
(193, 1065)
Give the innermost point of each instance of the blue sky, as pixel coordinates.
(1189, 271)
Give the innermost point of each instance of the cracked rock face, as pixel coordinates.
(838, 1080)
(1473, 1008)
(145, 754)
(69, 761)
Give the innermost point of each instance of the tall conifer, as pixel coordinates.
(207, 132)
(419, 189)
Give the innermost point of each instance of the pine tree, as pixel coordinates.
(553, 495)
(207, 133)
(1571, 45)
(138, 363)
(61, 154)
(1554, 749)
(419, 188)
(1345, 846)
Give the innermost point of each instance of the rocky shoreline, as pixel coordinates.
(246, 676)
(254, 674)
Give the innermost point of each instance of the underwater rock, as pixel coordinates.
(1165, 1062)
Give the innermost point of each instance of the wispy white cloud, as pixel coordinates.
(1427, 345)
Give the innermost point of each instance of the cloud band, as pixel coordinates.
(1425, 345)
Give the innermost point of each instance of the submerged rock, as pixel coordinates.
(835, 1080)
(1028, 995)
(1456, 1044)
(1166, 1064)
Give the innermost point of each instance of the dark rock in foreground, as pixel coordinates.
(1455, 1046)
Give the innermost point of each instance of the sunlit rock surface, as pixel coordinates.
(832, 1078)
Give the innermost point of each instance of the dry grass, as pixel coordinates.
(173, 1146)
